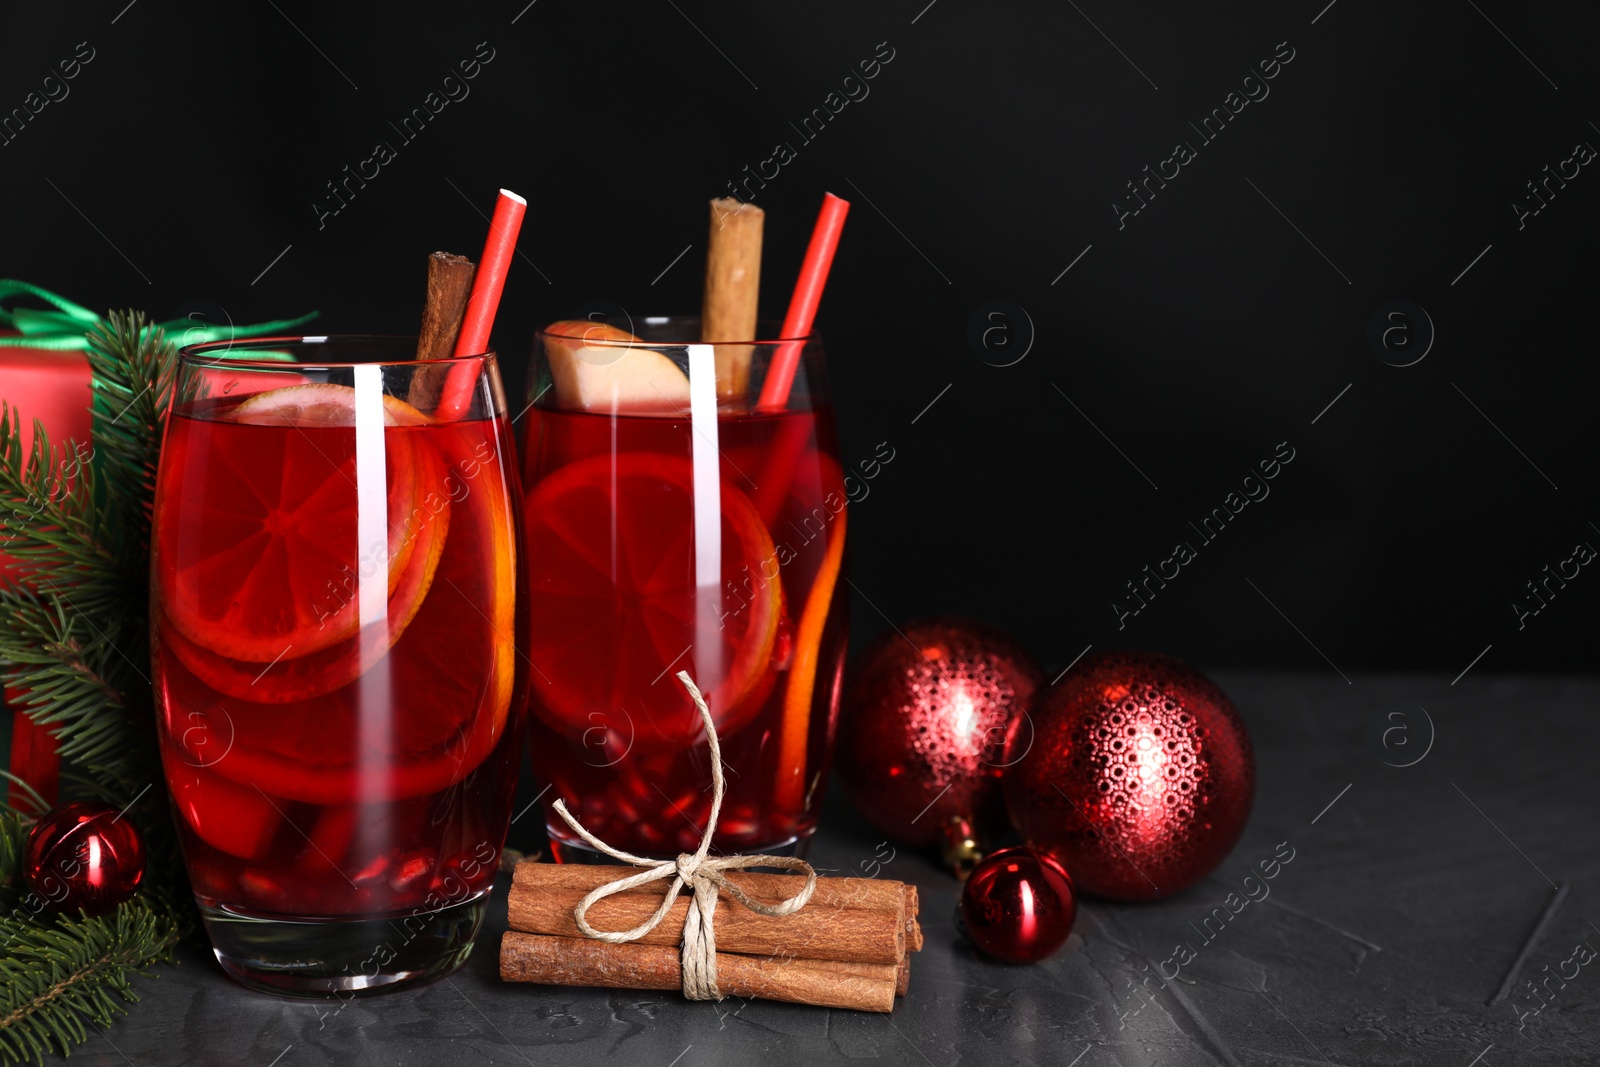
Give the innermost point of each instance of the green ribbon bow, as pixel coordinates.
(66, 329)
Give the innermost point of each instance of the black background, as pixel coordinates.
(1218, 322)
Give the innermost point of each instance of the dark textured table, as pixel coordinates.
(1413, 892)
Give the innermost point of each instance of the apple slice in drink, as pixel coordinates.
(601, 368)
(235, 819)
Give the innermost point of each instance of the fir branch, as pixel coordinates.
(13, 839)
(32, 797)
(133, 366)
(74, 639)
(59, 977)
(75, 681)
(50, 522)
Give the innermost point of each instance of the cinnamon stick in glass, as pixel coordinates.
(847, 935)
(733, 291)
(575, 962)
(449, 285)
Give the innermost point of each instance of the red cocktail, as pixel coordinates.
(671, 527)
(334, 577)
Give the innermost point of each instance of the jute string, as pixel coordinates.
(699, 872)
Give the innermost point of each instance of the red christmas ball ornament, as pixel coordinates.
(1135, 772)
(923, 735)
(83, 856)
(1018, 905)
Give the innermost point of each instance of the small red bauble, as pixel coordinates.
(1135, 772)
(83, 856)
(1018, 905)
(924, 728)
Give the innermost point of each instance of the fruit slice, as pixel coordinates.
(602, 369)
(358, 841)
(328, 669)
(236, 819)
(319, 404)
(614, 604)
(280, 509)
(419, 719)
(790, 780)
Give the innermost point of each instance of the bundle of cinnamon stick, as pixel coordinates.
(848, 948)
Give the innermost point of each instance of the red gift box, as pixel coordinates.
(52, 387)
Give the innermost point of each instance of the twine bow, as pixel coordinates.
(697, 871)
(66, 329)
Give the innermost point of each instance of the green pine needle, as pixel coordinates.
(13, 836)
(51, 522)
(133, 366)
(75, 677)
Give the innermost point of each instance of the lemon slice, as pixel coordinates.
(602, 368)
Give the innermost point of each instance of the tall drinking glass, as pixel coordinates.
(336, 628)
(673, 526)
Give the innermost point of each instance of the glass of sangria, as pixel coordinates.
(676, 520)
(336, 641)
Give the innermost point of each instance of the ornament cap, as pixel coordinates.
(961, 851)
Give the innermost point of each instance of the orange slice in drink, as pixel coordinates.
(327, 669)
(319, 404)
(615, 605)
(790, 782)
(280, 510)
(414, 721)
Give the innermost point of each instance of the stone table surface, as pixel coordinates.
(1413, 892)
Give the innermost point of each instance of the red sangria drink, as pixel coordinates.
(335, 632)
(671, 525)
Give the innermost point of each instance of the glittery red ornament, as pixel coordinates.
(83, 856)
(924, 727)
(1018, 905)
(1136, 773)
